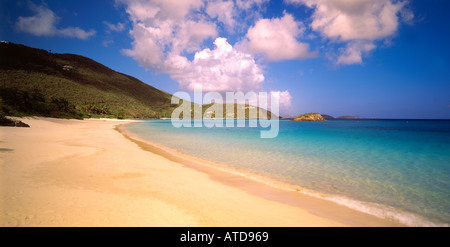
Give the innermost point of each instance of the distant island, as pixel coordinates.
(323, 117)
(310, 117)
(349, 117)
(327, 117)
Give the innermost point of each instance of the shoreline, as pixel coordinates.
(85, 173)
(265, 187)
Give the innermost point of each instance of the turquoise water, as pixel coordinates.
(397, 169)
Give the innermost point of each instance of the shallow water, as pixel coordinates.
(397, 169)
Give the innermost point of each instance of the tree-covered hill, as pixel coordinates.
(37, 82)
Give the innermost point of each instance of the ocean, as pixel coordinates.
(394, 169)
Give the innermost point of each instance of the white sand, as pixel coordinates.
(85, 173)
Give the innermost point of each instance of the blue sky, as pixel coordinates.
(384, 58)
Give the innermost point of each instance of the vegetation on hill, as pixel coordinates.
(17, 102)
(36, 82)
(310, 117)
(248, 110)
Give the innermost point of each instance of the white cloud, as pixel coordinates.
(277, 40)
(284, 99)
(354, 51)
(165, 27)
(236, 15)
(119, 27)
(162, 39)
(221, 69)
(191, 34)
(247, 4)
(146, 50)
(75, 32)
(224, 11)
(43, 23)
(151, 10)
(166, 33)
(359, 23)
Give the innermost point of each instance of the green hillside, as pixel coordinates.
(36, 82)
(248, 111)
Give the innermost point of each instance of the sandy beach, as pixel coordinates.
(87, 173)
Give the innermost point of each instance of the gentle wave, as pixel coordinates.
(380, 211)
(374, 209)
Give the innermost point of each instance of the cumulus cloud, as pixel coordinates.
(354, 51)
(224, 11)
(221, 69)
(357, 23)
(284, 98)
(43, 23)
(165, 27)
(191, 34)
(162, 40)
(277, 40)
(171, 37)
(235, 14)
(146, 49)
